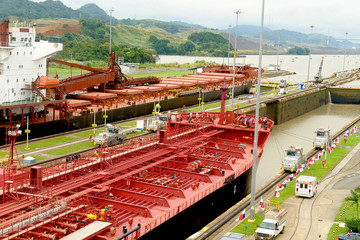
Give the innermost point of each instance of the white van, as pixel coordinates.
(306, 186)
(273, 224)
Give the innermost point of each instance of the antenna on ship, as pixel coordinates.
(253, 175)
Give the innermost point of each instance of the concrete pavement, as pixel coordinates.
(312, 218)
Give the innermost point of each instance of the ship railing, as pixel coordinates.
(26, 101)
(15, 44)
(28, 221)
(132, 146)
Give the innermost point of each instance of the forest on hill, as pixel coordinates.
(85, 34)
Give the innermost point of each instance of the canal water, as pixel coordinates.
(292, 63)
(301, 132)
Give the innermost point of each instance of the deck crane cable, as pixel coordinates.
(279, 148)
(297, 136)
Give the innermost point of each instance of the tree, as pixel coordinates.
(161, 46)
(93, 29)
(186, 47)
(213, 43)
(299, 51)
(355, 197)
(136, 55)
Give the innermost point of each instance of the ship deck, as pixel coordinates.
(146, 182)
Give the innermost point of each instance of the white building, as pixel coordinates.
(22, 60)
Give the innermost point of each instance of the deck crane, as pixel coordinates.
(318, 78)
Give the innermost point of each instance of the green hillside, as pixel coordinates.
(85, 32)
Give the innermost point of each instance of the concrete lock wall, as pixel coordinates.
(344, 95)
(289, 107)
(294, 106)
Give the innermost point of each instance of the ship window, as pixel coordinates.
(12, 90)
(25, 39)
(29, 39)
(23, 79)
(17, 80)
(290, 153)
(24, 53)
(13, 39)
(22, 39)
(14, 94)
(10, 53)
(8, 81)
(17, 53)
(30, 53)
(8, 67)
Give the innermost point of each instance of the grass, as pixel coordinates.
(134, 134)
(161, 74)
(3, 154)
(66, 70)
(214, 105)
(293, 91)
(251, 226)
(87, 133)
(351, 141)
(46, 143)
(316, 170)
(128, 124)
(338, 230)
(347, 211)
(71, 149)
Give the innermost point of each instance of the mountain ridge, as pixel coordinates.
(280, 39)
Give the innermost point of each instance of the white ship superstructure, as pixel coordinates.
(22, 60)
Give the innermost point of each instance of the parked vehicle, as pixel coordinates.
(112, 135)
(349, 236)
(273, 224)
(284, 87)
(306, 186)
(294, 157)
(322, 138)
(252, 89)
(158, 123)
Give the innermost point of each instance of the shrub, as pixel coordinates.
(353, 224)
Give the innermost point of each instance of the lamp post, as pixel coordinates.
(277, 57)
(105, 116)
(308, 75)
(27, 131)
(233, 83)
(345, 54)
(229, 48)
(253, 177)
(111, 10)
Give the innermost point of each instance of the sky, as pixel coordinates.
(327, 16)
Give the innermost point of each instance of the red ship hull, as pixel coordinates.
(137, 186)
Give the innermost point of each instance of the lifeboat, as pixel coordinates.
(46, 82)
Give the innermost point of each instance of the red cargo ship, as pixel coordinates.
(153, 188)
